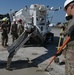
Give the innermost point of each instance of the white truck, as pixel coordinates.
(36, 27)
(35, 17)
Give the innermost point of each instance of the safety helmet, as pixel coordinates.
(5, 19)
(20, 20)
(67, 2)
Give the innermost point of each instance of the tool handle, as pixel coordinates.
(65, 43)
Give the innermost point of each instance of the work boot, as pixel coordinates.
(62, 62)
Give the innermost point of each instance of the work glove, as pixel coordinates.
(58, 54)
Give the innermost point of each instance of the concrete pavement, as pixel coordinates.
(39, 56)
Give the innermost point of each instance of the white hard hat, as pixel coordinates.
(67, 2)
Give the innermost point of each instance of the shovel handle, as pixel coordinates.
(65, 43)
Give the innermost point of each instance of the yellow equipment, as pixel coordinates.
(60, 39)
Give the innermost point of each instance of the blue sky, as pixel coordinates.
(59, 16)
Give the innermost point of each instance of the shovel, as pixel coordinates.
(58, 52)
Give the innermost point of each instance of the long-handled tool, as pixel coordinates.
(60, 39)
(59, 51)
(59, 45)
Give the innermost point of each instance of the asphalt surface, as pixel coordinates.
(32, 60)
